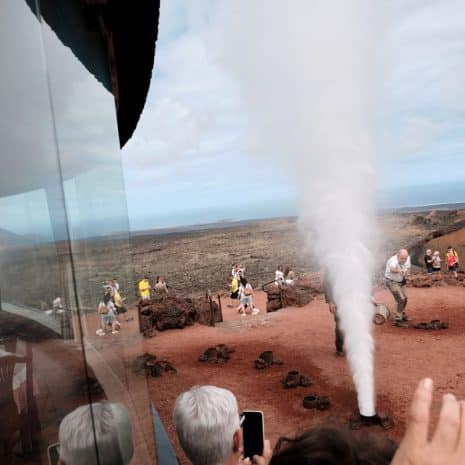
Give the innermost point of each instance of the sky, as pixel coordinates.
(191, 157)
(195, 156)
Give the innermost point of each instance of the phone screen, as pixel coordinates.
(53, 454)
(252, 429)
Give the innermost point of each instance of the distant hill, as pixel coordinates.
(222, 224)
(423, 208)
(9, 239)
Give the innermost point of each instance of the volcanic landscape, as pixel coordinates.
(303, 338)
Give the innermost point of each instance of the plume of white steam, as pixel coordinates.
(305, 70)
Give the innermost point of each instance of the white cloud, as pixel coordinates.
(194, 123)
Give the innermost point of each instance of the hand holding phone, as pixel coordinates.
(253, 431)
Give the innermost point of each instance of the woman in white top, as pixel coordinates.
(279, 276)
(107, 314)
(436, 264)
(246, 298)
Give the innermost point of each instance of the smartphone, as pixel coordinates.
(53, 453)
(253, 431)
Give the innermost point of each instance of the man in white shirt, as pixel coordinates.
(397, 269)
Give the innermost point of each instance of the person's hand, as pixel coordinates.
(259, 459)
(266, 457)
(332, 307)
(447, 446)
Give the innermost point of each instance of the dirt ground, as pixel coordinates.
(304, 339)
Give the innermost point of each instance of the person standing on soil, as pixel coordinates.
(235, 270)
(395, 276)
(234, 285)
(429, 261)
(289, 275)
(107, 312)
(115, 284)
(119, 302)
(144, 288)
(246, 298)
(452, 260)
(329, 299)
(436, 261)
(279, 276)
(160, 286)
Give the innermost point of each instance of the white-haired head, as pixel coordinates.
(112, 440)
(207, 420)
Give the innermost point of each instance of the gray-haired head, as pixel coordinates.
(206, 420)
(112, 440)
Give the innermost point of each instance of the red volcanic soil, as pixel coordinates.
(303, 339)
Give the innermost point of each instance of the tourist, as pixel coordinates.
(436, 265)
(57, 305)
(160, 286)
(429, 261)
(115, 284)
(289, 275)
(144, 288)
(235, 270)
(107, 312)
(279, 276)
(206, 420)
(452, 260)
(108, 294)
(118, 301)
(397, 270)
(241, 270)
(101, 428)
(246, 298)
(234, 285)
(329, 299)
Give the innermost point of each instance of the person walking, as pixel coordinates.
(246, 298)
(397, 270)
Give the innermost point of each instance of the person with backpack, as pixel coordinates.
(246, 298)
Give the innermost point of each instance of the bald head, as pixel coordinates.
(402, 255)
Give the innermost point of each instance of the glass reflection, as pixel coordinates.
(63, 233)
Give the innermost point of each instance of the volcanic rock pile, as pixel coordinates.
(436, 279)
(149, 364)
(298, 294)
(166, 313)
(219, 354)
(266, 359)
(435, 217)
(170, 312)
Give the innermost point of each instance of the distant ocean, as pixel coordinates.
(388, 199)
(422, 195)
(227, 214)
